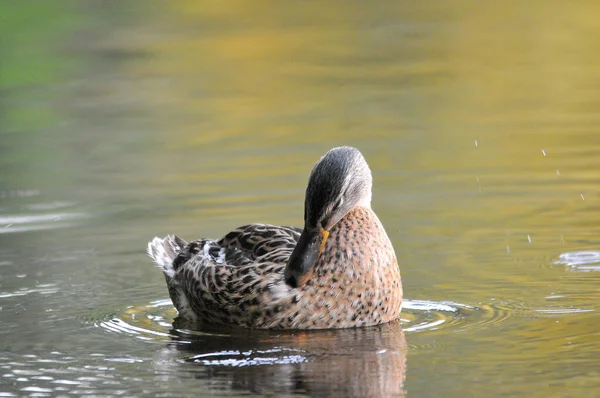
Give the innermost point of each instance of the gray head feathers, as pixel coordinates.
(339, 181)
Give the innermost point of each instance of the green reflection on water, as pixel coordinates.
(31, 57)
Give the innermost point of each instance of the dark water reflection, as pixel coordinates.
(365, 362)
(124, 120)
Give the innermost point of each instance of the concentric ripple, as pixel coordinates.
(149, 322)
(424, 315)
(155, 320)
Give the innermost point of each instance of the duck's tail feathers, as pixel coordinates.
(164, 250)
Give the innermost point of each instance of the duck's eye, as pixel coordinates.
(336, 206)
(329, 215)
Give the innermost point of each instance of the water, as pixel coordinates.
(121, 121)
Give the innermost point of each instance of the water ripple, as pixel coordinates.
(34, 222)
(238, 358)
(155, 320)
(48, 288)
(585, 260)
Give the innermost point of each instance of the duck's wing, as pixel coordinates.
(263, 241)
(224, 281)
(242, 246)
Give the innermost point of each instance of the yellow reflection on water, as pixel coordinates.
(484, 71)
(479, 120)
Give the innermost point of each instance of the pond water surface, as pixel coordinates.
(120, 121)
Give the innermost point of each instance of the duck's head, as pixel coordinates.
(340, 181)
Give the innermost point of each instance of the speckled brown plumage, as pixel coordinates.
(239, 279)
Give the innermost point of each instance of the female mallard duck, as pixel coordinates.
(339, 271)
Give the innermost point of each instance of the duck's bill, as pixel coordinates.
(301, 264)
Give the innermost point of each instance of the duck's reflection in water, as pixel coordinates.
(363, 362)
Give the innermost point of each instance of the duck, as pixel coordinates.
(338, 271)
